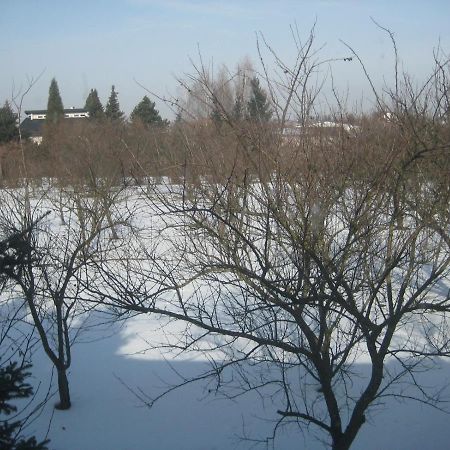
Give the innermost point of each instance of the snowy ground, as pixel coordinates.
(110, 361)
(106, 415)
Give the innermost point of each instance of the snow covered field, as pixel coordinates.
(112, 360)
(106, 415)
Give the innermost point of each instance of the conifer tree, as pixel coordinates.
(94, 106)
(13, 386)
(55, 108)
(146, 113)
(8, 124)
(258, 107)
(112, 110)
(12, 376)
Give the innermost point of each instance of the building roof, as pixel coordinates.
(36, 111)
(32, 128)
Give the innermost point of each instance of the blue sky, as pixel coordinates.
(96, 43)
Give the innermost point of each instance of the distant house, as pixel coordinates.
(318, 131)
(33, 125)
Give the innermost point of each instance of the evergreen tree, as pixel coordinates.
(8, 125)
(146, 113)
(258, 107)
(55, 108)
(112, 110)
(12, 386)
(94, 106)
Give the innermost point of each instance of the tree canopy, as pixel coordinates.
(146, 113)
(55, 108)
(8, 124)
(93, 105)
(112, 110)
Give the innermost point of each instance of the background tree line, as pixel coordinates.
(149, 136)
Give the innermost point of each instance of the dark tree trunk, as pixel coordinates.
(341, 445)
(63, 387)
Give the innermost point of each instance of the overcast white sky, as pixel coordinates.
(88, 44)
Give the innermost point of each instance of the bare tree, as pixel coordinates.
(56, 257)
(303, 258)
(17, 340)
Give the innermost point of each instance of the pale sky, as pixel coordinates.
(88, 44)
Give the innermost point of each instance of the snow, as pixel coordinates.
(110, 361)
(113, 360)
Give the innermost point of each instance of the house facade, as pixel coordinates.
(33, 125)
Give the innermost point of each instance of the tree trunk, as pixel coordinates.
(63, 387)
(61, 209)
(341, 445)
(343, 441)
(109, 218)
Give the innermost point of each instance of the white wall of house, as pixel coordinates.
(37, 116)
(67, 114)
(75, 115)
